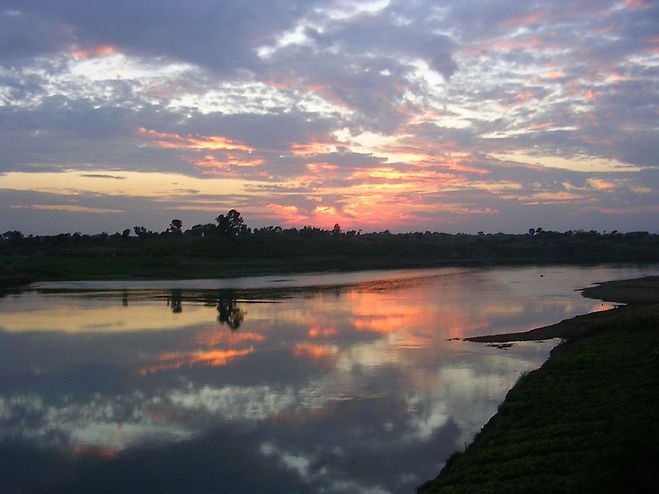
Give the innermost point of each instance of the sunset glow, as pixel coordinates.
(456, 117)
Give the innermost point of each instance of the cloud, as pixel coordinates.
(351, 108)
(101, 175)
(70, 208)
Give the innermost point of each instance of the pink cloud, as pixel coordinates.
(637, 4)
(531, 19)
(177, 141)
(555, 74)
(94, 52)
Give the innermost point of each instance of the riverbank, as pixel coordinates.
(103, 257)
(587, 420)
(10, 279)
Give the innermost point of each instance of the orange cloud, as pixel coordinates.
(555, 74)
(392, 174)
(328, 215)
(321, 167)
(94, 52)
(599, 184)
(554, 198)
(231, 161)
(176, 141)
(314, 147)
(289, 215)
(623, 210)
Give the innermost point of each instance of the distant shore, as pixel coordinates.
(587, 420)
(169, 256)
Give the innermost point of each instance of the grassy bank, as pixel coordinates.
(10, 278)
(75, 257)
(587, 420)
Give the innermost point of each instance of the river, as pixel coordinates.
(338, 383)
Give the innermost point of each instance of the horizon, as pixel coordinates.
(376, 115)
(186, 228)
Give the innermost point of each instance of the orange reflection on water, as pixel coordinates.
(381, 313)
(319, 332)
(371, 313)
(102, 452)
(212, 358)
(314, 351)
(214, 337)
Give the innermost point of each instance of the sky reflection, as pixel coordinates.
(350, 389)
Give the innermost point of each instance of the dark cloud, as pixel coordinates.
(23, 35)
(221, 35)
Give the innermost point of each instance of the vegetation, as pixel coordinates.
(229, 247)
(586, 421)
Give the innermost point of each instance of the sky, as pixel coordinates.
(406, 115)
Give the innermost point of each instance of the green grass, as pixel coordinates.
(587, 421)
(69, 257)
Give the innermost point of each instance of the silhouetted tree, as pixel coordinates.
(175, 227)
(141, 231)
(12, 235)
(230, 224)
(195, 231)
(209, 229)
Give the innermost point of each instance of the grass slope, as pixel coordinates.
(586, 421)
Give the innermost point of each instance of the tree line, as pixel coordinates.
(231, 224)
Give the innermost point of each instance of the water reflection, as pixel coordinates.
(175, 301)
(351, 389)
(229, 313)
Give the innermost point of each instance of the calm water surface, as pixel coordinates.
(345, 382)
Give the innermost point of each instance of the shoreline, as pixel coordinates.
(209, 269)
(586, 420)
(71, 257)
(636, 293)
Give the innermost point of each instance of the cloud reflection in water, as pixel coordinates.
(353, 389)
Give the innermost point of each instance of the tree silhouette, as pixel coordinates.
(175, 226)
(141, 231)
(231, 224)
(12, 235)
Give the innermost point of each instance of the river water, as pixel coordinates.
(351, 382)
